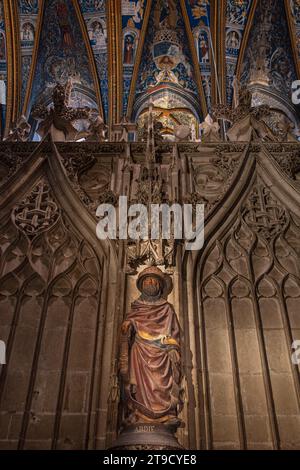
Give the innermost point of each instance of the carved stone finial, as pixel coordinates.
(20, 132)
(96, 131)
(247, 121)
(210, 130)
(59, 118)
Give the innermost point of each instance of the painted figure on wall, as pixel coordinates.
(165, 14)
(26, 65)
(92, 5)
(237, 11)
(150, 364)
(28, 6)
(27, 33)
(233, 40)
(129, 49)
(96, 33)
(203, 48)
(139, 11)
(65, 28)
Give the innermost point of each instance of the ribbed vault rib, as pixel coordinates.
(138, 58)
(92, 64)
(194, 57)
(114, 62)
(236, 17)
(11, 65)
(294, 29)
(34, 57)
(246, 37)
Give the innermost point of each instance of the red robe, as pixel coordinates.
(154, 365)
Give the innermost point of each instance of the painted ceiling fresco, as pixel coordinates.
(237, 13)
(62, 55)
(199, 13)
(28, 18)
(94, 13)
(133, 13)
(268, 59)
(185, 54)
(166, 61)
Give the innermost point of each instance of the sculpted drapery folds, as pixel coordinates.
(149, 364)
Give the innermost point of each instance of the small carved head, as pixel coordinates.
(151, 286)
(153, 283)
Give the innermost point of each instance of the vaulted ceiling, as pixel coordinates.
(183, 54)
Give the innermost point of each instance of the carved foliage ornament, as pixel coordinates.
(263, 214)
(37, 212)
(78, 165)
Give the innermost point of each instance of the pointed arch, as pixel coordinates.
(222, 319)
(88, 317)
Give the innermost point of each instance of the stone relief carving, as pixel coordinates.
(289, 162)
(96, 131)
(212, 180)
(59, 119)
(254, 239)
(89, 179)
(50, 285)
(21, 131)
(210, 130)
(263, 214)
(247, 121)
(37, 212)
(251, 277)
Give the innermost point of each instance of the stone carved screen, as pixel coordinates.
(249, 296)
(50, 288)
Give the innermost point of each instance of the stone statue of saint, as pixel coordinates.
(149, 362)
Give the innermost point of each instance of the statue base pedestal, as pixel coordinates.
(145, 436)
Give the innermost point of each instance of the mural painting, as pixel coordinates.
(199, 17)
(267, 61)
(236, 19)
(62, 56)
(133, 12)
(28, 15)
(166, 58)
(94, 14)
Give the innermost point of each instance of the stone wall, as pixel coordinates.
(64, 293)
